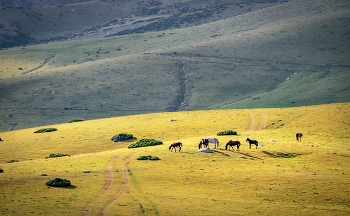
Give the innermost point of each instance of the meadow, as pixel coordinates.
(280, 177)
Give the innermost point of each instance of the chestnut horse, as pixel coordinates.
(299, 135)
(204, 142)
(175, 145)
(231, 144)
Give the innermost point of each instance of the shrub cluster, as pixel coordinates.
(1, 170)
(122, 136)
(227, 132)
(12, 161)
(58, 182)
(43, 130)
(75, 120)
(145, 142)
(148, 158)
(57, 155)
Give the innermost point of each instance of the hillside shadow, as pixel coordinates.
(281, 155)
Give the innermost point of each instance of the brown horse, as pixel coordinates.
(299, 135)
(231, 144)
(175, 145)
(204, 142)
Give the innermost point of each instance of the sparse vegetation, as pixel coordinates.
(57, 155)
(12, 161)
(122, 136)
(76, 120)
(145, 143)
(58, 182)
(44, 130)
(148, 158)
(227, 132)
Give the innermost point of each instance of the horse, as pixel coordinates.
(299, 135)
(204, 142)
(214, 140)
(252, 142)
(231, 144)
(174, 145)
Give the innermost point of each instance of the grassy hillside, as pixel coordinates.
(291, 54)
(282, 177)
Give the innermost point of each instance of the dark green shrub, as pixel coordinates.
(58, 182)
(153, 158)
(43, 130)
(148, 158)
(1, 170)
(227, 132)
(57, 155)
(12, 161)
(122, 136)
(145, 142)
(75, 120)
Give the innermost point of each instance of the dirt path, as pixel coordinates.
(253, 122)
(122, 189)
(110, 181)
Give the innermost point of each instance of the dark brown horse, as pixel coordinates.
(204, 142)
(252, 142)
(299, 135)
(175, 145)
(231, 144)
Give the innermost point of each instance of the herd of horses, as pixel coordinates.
(230, 144)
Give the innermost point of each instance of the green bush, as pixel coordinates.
(122, 136)
(148, 158)
(75, 120)
(43, 130)
(57, 155)
(227, 132)
(145, 142)
(1, 170)
(58, 182)
(12, 161)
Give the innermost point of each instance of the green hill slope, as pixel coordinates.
(291, 54)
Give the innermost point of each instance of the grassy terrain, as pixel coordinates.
(289, 54)
(284, 177)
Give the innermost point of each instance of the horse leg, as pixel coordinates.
(250, 146)
(180, 148)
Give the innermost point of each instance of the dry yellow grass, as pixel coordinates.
(279, 178)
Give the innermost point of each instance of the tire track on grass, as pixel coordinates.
(122, 189)
(109, 183)
(253, 122)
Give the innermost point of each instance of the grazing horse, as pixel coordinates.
(204, 142)
(299, 135)
(231, 144)
(214, 140)
(174, 145)
(252, 142)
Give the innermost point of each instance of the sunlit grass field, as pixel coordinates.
(281, 177)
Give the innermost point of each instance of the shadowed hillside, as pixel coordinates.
(289, 54)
